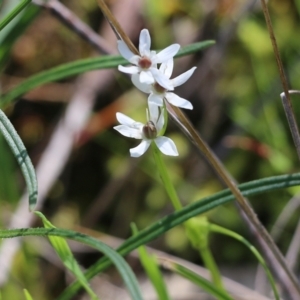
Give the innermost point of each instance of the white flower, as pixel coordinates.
(146, 62)
(148, 133)
(159, 93)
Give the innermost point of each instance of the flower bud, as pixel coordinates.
(149, 130)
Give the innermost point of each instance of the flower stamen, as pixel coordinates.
(158, 88)
(145, 63)
(149, 130)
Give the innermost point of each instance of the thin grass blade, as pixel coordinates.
(19, 151)
(63, 251)
(112, 255)
(150, 265)
(27, 295)
(14, 13)
(203, 283)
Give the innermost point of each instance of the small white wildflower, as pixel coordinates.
(158, 93)
(146, 62)
(148, 133)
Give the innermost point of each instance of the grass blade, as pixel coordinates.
(206, 285)
(123, 268)
(63, 251)
(19, 151)
(14, 13)
(27, 295)
(150, 265)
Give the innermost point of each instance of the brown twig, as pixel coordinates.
(116, 27)
(74, 23)
(287, 104)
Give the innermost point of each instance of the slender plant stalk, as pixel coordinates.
(191, 227)
(116, 27)
(222, 230)
(165, 178)
(190, 131)
(287, 105)
(290, 116)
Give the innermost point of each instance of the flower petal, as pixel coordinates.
(166, 54)
(166, 146)
(129, 131)
(144, 87)
(181, 79)
(124, 120)
(161, 79)
(129, 70)
(178, 101)
(146, 77)
(154, 112)
(167, 68)
(145, 43)
(155, 99)
(124, 50)
(140, 149)
(161, 121)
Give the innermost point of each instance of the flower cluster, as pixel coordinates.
(151, 73)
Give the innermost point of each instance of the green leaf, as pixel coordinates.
(63, 251)
(150, 265)
(197, 279)
(78, 67)
(27, 295)
(123, 268)
(15, 31)
(14, 13)
(150, 233)
(19, 151)
(225, 231)
(9, 188)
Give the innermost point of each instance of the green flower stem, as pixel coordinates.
(197, 229)
(222, 230)
(194, 232)
(165, 177)
(14, 13)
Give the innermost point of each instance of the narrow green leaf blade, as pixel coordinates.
(150, 265)
(14, 13)
(63, 251)
(123, 268)
(195, 47)
(15, 31)
(27, 295)
(19, 151)
(206, 285)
